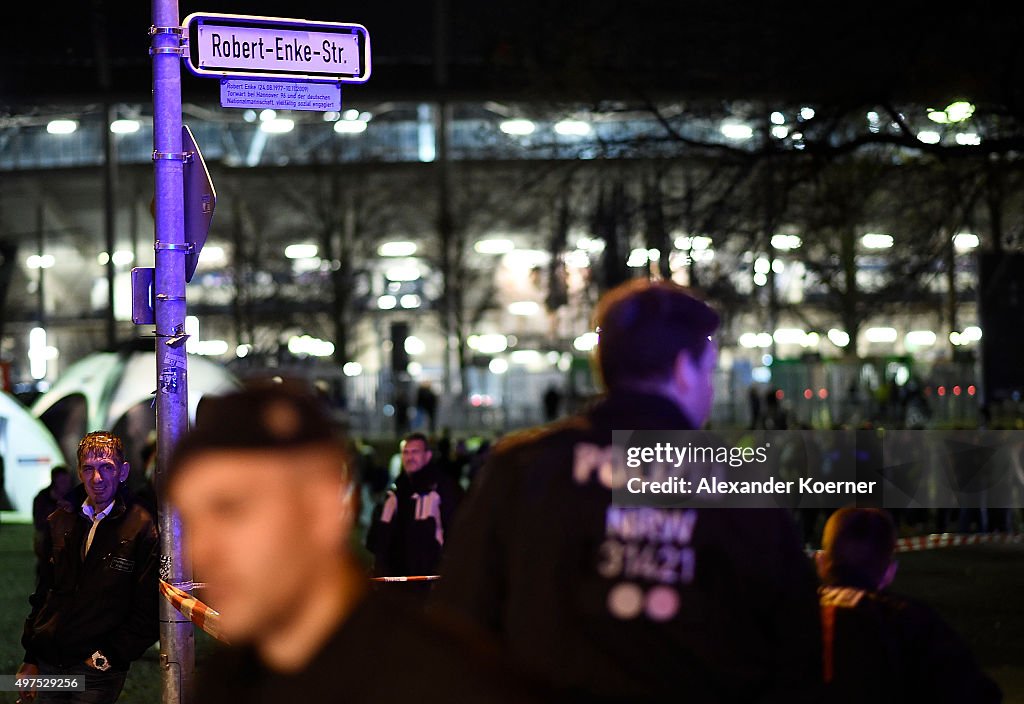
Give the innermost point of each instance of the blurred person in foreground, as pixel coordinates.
(267, 500)
(95, 607)
(634, 604)
(878, 646)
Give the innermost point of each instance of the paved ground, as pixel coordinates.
(980, 590)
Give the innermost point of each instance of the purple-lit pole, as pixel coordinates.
(177, 645)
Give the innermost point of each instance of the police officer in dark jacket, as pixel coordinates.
(881, 647)
(410, 527)
(613, 603)
(95, 607)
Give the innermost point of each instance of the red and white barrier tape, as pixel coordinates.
(191, 608)
(414, 578)
(950, 540)
(209, 619)
(953, 540)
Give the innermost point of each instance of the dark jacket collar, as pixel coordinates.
(638, 410)
(423, 480)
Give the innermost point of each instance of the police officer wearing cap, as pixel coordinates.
(637, 604)
(267, 500)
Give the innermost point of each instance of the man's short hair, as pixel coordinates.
(859, 545)
(261, 417)
(642, 328)
(417, 436)
(102, 443)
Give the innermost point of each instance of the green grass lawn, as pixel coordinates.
(978, 591)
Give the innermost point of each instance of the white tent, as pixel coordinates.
(114, 391)
(29, 453)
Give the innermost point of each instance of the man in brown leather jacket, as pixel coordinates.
(95, 607)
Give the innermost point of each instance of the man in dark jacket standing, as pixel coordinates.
(612, 603)
(95, 608)
(410, 527)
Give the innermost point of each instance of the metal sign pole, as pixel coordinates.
(177, 645)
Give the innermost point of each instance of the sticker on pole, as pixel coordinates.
(277, 48)
(279, 95)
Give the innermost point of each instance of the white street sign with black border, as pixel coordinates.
(277, 48)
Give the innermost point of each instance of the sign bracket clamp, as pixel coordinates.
(186, 247)
(183, 157)
(182, 48)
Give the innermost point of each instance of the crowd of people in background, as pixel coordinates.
(541, 587)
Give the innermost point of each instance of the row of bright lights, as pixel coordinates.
(739, 131)
(40, 353)
(840, 338)
(350, 123)
(496, 343)
(299, 345)
(823, 392)
(40, 261)
(499, 246)
(389, 302)
(306, 345)
(71, 126)
(963, 241)
(354, 122)
(699, 243)
(283, 125)
(403, 249)
(956, 112)
(411, 300)
(121, 257)
(696, 245)
(305, 254)
(964, 139)
(565, 128)
(498, 365)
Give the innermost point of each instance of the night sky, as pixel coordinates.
(849, 53)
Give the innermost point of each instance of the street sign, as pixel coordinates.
(142, 296)
(277, 48)
(279, 95)
(200, 201)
